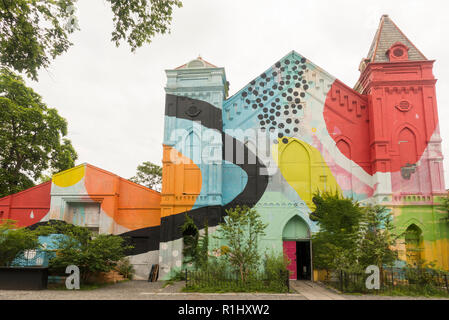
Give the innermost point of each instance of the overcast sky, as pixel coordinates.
(113, 99)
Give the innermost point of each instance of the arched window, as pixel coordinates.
(407, 147)
(344, 147)
(192, 148)
(413, 244)
(296, 229)
(295, 164)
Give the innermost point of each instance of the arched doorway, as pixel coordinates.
(413, 245)
(297, 247)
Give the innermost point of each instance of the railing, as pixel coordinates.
(231, 281)
(391, 279)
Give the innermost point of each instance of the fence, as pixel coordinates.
(231, 281)
(391, 279)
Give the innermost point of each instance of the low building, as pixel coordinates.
(104, 202)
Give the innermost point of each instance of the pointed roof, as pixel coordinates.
(388, 34)
(197, 63)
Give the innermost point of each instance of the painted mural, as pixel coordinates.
(294, 130)
(291, 131)
(88, 196)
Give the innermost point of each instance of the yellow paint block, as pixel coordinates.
(304, 168)
(69, 177)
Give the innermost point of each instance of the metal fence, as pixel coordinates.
(390, 279)
(231, 281)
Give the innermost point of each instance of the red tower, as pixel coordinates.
(403, 125)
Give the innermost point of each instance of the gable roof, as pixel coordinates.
(388, 34)
(206, 64)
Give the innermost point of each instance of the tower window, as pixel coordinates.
(398, 52)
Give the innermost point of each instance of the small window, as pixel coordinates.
(398, 52)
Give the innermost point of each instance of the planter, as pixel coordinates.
(23, 278)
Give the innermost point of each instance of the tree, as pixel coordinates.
(79, 246)
(190, 240)
(379, 237)
(335, 245)
(149, 175)
(14, 241)
(32, 33)
(195, 251)
(241, 230)
(31, 136)
(352, 237)
(203, 248)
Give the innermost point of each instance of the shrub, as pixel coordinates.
(125, 268)
(275, 270)
(241, 230)
(14, 241)
(90, 252)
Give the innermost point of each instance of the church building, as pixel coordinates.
(292, 130)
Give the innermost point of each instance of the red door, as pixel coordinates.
(290, 252)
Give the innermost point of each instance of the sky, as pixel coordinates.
(114, 100)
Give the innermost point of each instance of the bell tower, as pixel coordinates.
(405, 140)
(192, 153)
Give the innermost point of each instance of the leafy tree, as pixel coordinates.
(352, 237)
(138, 21)
(149, 175)
(241, 230)
(91, 253)
(335, 245)
(190, 239)
(195, 251)
(32, 33)
(379, 237)
(203, 248)
(14, 241)
(31, 136)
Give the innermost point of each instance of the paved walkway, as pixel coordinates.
(140, 290)
(143, 290)
(314, 291)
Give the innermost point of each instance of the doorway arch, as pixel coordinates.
(297, 248)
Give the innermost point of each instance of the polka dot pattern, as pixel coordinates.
(278, 97)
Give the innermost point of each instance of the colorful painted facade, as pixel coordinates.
(295, 129)
(291, 131)
(88, 196)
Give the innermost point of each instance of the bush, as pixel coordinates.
(79, 246)
(241, 230)
(220, 276)
(125, 268)
(275, 266)
(15, 241)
